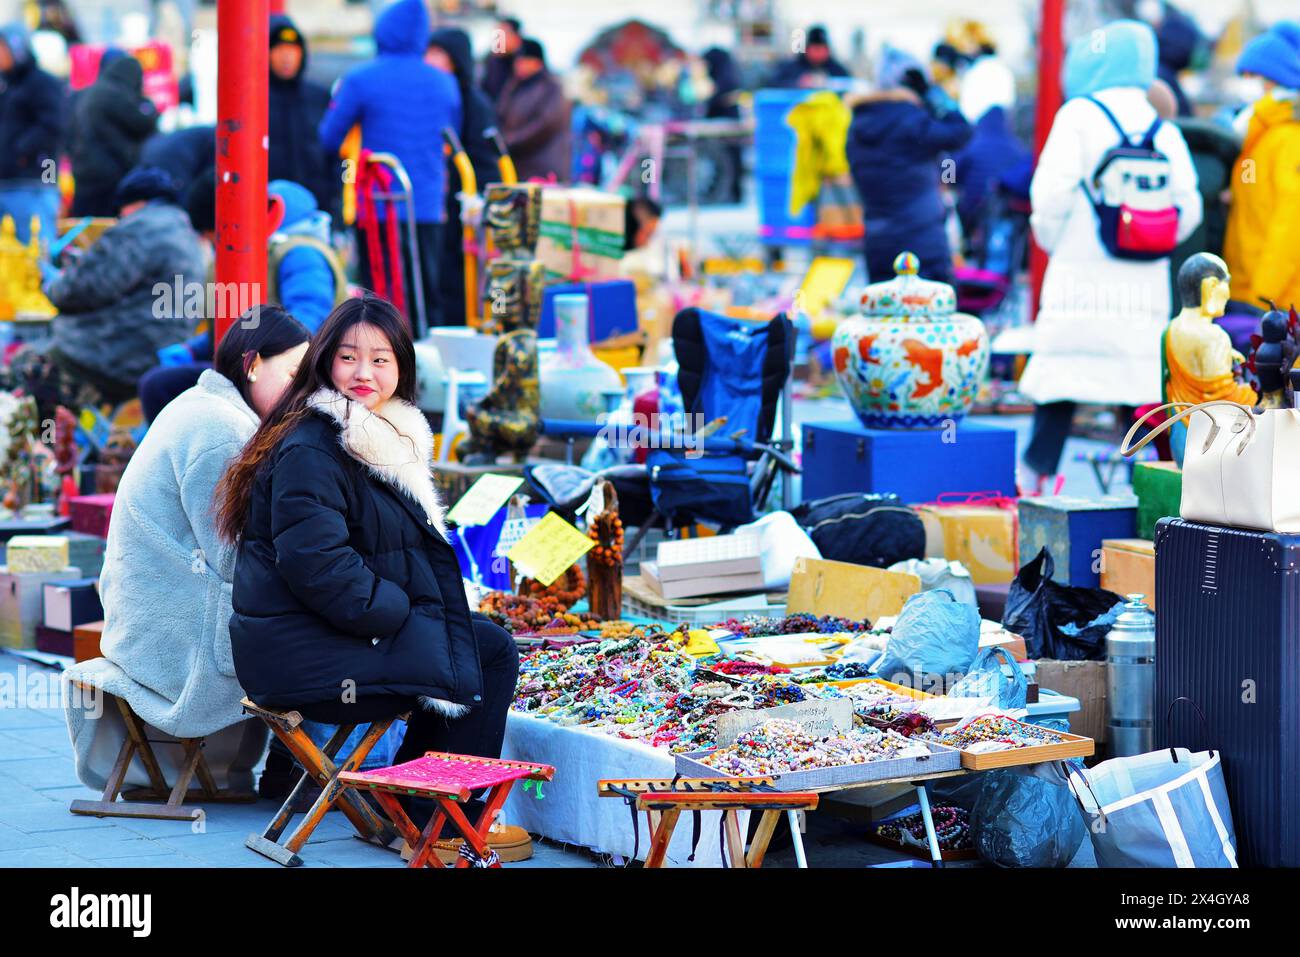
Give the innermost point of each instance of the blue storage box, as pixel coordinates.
(1073, 529)
(840, 457)
(612, 308)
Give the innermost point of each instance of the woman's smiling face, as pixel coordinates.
(365, 366)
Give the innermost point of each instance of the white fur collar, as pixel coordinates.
(382, 441)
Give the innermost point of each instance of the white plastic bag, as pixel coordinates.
(938, 573)
(781, 540)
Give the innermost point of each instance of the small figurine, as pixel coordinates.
(1274, 356)
(1198, 354)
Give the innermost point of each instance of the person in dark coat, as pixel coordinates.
(449, 51)
(988, 93)
(811, 68)
(184, 154)
(723, 105)
(1179, 44)
(31, 125)
(402, 105)
(113, 120)
(896, 141)
(499, 66)
(348, 601)
(294, 114)
(535, 118)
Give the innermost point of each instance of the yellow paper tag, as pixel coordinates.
(549, 548)
(484, 499)
(825, 281)
(699, 643)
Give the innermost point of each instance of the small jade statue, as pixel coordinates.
(1198, 354)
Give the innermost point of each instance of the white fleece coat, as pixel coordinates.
(166, 593)
(1097, 338)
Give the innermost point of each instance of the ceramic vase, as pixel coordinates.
(910, 360)
(573, 381)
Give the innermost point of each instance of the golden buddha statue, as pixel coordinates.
(30, 302)
(1198, 357)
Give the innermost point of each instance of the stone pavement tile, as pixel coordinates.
(349, 852)
(216, 850)
(19, 744)
(99, 845)
(163, 860)
(55, 771)
(53, 738)
(48, 816)
(13, 791)
(66, 795)
(216, 819)
(18, 719)
(44, 857)
(12, 839)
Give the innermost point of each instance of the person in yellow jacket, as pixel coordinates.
(1262, 246)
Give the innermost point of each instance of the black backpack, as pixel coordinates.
(863, 528)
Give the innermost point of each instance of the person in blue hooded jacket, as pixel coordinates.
(897, 138)
(402, 105)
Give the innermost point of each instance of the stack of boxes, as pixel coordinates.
(48, 581)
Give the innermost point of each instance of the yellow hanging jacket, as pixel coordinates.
(1262, 245)
(821, 129)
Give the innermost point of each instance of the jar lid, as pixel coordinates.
(907, 294)
(1136, 616)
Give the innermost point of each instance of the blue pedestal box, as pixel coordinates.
(1073, 529)
(918, 466)
(612, 307)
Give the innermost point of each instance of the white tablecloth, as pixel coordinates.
(572, 812)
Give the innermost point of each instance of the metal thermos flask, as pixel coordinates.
(1130, 679)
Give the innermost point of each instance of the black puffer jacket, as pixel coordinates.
(344, 573)
(294, 112)
(31, 112)
(113, 120)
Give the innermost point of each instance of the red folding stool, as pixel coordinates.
(447, 779)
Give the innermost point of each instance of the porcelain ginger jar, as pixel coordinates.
(910, 360)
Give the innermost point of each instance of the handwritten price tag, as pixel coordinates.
(484, 499)
(549, 548)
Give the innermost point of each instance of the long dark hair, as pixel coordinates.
(266, 331)
(235, 491)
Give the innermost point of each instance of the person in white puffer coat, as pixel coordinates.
(1097, 338)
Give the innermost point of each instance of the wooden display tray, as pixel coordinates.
(1072, 746)
(941, 758)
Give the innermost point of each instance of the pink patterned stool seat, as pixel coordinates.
(448, 779)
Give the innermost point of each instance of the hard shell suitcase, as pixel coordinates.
(1228, 637)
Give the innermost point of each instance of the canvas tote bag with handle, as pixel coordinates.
(1240, 466)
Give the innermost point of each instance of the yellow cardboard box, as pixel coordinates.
(981, 537)
(1128, 567)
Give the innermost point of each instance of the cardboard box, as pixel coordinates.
(1085, 680)
(71, 603)
(1073, 529)
(1128, 567)
(581, 234)
(85, 641)
(821, 587)
(981, 537)
(91, 514)
(1159, 490)
(36, 553)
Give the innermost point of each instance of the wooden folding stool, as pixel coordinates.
(664, 799)
(157, 800)
(322, 770)
(449, 780)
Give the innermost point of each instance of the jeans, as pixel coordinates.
(23, 199)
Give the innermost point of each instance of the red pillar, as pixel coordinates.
(242, 51)
(1051, 56)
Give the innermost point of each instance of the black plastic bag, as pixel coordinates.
(863, 528)
(1058, 621)
(1023, 821)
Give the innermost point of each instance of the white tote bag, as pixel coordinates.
(1240, 467)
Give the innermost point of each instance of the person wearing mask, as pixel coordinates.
(119, 303)
(167, 575)
(31, 125)
(897, 138)
(402, 105)
(1100, 318)
(449, 51)
(812, 67)
(499, 66)
(722, 105)
(534, 116)
(294, 114)
(344, 575)
(113, 120)
(988, 93)
(1262, 245)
